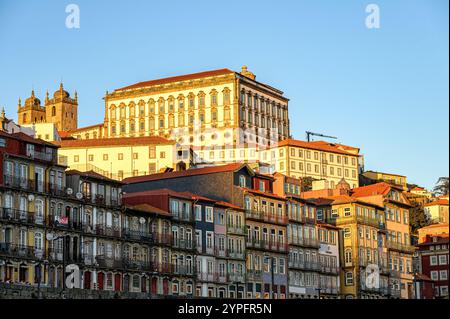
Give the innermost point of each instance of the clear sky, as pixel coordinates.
(384, 90)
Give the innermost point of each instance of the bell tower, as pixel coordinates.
(62, 110)
(31, 112)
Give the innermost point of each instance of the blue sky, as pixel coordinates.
(384, 90)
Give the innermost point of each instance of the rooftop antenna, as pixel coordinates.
(309, 134)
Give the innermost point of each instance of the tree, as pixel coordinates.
(417, 218)
(307, 183)
(441, 187)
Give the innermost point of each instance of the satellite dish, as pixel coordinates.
(31, 197)
(79, 196)
(69, 191)
(49, 236)
(142, 220)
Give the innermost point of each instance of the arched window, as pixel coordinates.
(214, 99)
(122, 111)
(53, 111)
(171, 120)
(24, 117)
(141, 108)
(151, 106)
(132, 110)
(161, 106)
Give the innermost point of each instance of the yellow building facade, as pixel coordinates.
(202, 109)
(119, 158)
(398, 237)
(437, 211)
(319, 160)
(395, 179)
(363, 247)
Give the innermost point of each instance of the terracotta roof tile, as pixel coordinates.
(149, 209)
(121, 141)
(437, 202)
(190, 172)
(92, 174)
(371, 190)
(162, 191)
(177, 79)
(315, 146)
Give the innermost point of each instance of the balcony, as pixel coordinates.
(400, 247)
(162, 238)
(21, 251)
(313, 266)
(162, 268)
(267, 245)
(42, 156)
(235, 254)
(63, 222)
(208, 277)
(329, 270)
(57, 190)
(266, 217)
(104, 261)
(183, 270)
(304, 242)
(183, 244)
(137, 235)
(20, 216)
(254, 275)
(364, 220)
(236, 230)
(20, 183)
(235, 277)
(140, 265)
(103, 230)
(220, 252)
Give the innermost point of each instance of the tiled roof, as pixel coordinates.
(149, 209)
(26, 138)
(423, 277)
(437, 202)
(121, 141)
(315, 146)
(439, 225)
(92, 174)
(342, 146)
(376, 172)
(190, 172)
(85, 128)
(229, 205)
(177, 79)
(162, 191)
(319, 201)
(257, 192)
(371, 190)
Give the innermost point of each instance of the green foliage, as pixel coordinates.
(418, 218)
(441, 187)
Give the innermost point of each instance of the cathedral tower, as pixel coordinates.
(31, 112)
(62, 110)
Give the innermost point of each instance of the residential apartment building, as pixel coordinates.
(329, 255)
(265, 217)
(303, 264)
(437, 211)
(181, 268)
(119, 158)
(433, 262)
(398, 237)
(319, 160)
(372, 177)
